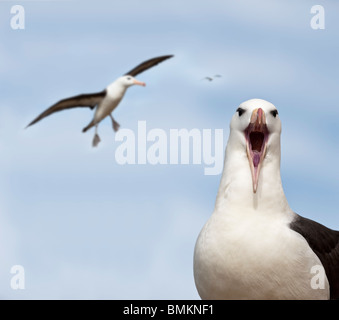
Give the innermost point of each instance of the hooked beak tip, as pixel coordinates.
(140, 83)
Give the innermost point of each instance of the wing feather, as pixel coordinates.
(325, 244)
(83, 100)
(147, 65)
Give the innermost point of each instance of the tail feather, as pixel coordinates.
(90, 125)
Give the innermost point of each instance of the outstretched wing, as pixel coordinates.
(325, 244)
(83, 100)
(147, 65)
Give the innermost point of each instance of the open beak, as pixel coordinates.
(256, 142)
(139, 83)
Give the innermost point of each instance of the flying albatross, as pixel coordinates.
(211, 78)
(254, 246)
(105, 101)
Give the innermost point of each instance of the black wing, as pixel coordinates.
(146, 65)
(325, 244)
(83, 100)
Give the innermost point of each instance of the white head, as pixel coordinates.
(127, 81)
(256, 127)
(251, 175)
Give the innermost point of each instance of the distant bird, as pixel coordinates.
(212, 78)
(254, 246)
(105, 101)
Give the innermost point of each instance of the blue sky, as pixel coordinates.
(85, 227)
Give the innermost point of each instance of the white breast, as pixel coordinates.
(115, 93)
(248, 257)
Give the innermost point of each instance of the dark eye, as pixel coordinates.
(274, 113)
(128, 78)
(240, 111)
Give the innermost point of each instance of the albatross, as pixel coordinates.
(254, 246)
(211, 78)
(105, 101)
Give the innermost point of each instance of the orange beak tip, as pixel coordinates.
(137, 82)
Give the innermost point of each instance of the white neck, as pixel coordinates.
(236, 188)
(116, 89)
